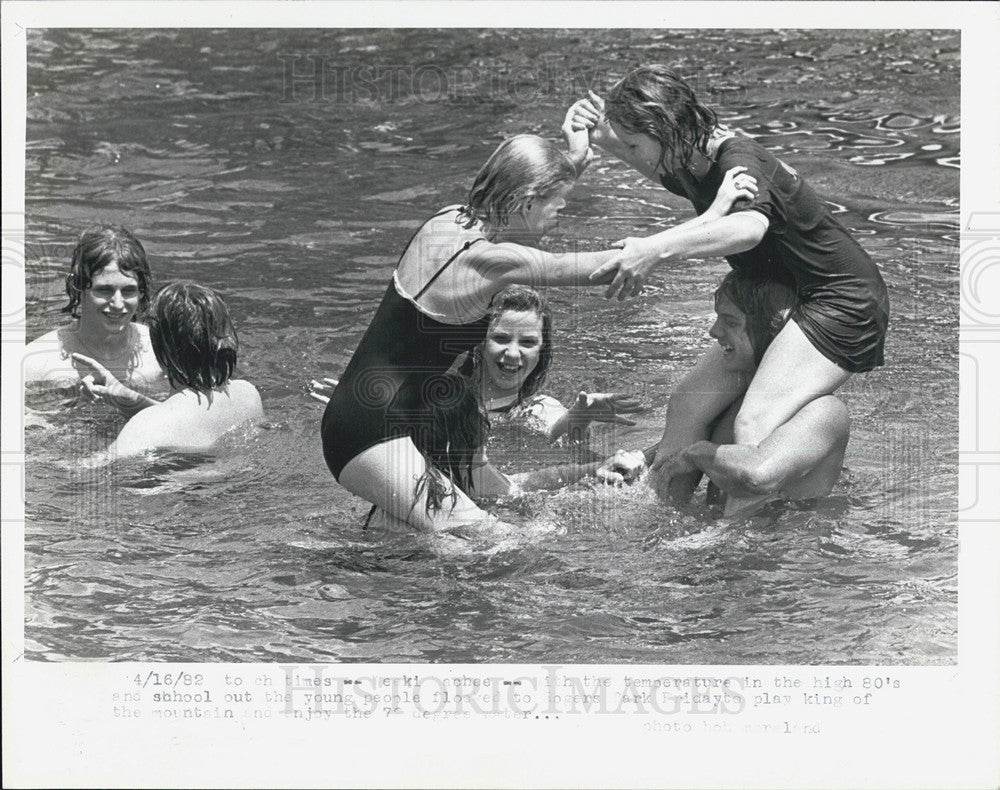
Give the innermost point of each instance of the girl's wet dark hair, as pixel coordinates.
(519, 298)
(102, 246)
(654, 100)
(193, 336)
(523, 168)
(443, 414)
(765, 300)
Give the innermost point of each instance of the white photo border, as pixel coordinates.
(941, 729)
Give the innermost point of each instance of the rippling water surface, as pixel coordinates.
(294, 199)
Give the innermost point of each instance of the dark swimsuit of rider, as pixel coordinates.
(843, 307)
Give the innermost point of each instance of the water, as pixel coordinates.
(296, 203)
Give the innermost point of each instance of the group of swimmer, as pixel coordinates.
(461, 336)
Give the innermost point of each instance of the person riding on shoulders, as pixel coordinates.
(801, 459)
(653, 121)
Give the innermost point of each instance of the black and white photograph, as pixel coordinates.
(491, 346)
(222, 223)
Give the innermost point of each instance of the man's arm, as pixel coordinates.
(46, 362)
(102, 384)
(819, 430)
(147, 430)
(694, 407)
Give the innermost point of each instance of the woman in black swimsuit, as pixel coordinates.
(435, 309)
(654, 122)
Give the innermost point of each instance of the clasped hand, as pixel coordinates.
(631, 266)
(625, 466)
(587, 115)
(671, 464)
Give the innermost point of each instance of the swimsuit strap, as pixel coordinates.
(447, 263)
(417, 231)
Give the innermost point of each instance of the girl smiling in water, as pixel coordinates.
(509, 367)
(512, 362)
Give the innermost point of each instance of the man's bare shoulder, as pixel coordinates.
(143, 330)
(246, 398)
(162, 425)
(47, 358)
(187, 422)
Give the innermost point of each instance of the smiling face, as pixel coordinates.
(541, 214)
(730, 330)
(111, 301)
(511, 350)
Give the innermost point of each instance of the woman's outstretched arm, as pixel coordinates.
(508, 263)
(700, 238)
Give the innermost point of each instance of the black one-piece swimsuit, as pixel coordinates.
(402, 345)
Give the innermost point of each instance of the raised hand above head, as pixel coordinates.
(575, 133)
(583, 115)
(588, 114)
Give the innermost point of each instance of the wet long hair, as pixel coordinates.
(102, 246)
(654, 100)
(519, 298)
(193, 337)
(523, 168)
(765, 300)
(444, 417)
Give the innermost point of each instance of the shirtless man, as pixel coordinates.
(800, 459)
(108, 286)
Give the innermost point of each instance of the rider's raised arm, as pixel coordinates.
(718, 237)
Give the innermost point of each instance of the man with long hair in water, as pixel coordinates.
(800, 459)
(109, 288)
